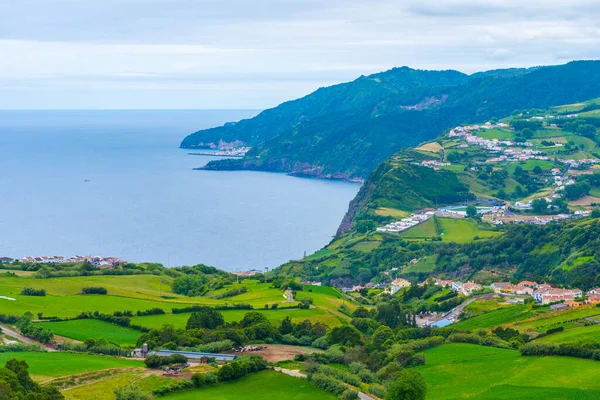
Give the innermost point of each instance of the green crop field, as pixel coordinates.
(497, 317)
(81, 329)
(57, 364)
(555, 319)
(260, 386)
(275, 316)
(466, 371)
(574, 335)
(462, 230)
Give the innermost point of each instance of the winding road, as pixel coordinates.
(8, 331)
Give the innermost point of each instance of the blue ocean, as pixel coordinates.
(115, 183)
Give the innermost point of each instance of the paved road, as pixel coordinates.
(289, 295)
(8, 331)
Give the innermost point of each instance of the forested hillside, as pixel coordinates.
(345, 131)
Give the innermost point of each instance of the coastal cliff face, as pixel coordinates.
(293, 168)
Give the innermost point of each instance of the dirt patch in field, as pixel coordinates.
(281, 352)
(585, 201)
(433, 147)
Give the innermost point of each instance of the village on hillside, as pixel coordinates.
(97, 261)
(554, 157)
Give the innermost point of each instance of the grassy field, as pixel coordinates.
(529, 165)
(462, 230)
(555, 319)
(500, 134)
(425, 264)
(260, 386)
(391, 212)
(574, 335)
(258, 293)
(81, 329)
(104, 389)
(432, 147)
(139, 292)
(423, 230)
(44, 366)
(366, 246)
(465, 371)
(497, 317)
(275, 316)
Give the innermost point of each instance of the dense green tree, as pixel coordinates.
(587, 130)
(407, 385)
(206, 317)
(190, 285)
(361, 312)
(131, 392)
(345, 335)
(471, 211)
(253, 318)
(286, 326)
(539, 206)
(381, 335)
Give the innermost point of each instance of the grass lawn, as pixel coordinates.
(465, 371)
(497, 317)
(574, 335)
(57, 364)
(81, 329)
(423, 230)
(260, 386)
(462, 230)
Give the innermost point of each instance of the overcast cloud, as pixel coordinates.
(256, 54)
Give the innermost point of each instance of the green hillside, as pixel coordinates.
(541, 157)
(345, 131)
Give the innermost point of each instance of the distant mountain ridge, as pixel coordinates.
(345, 131)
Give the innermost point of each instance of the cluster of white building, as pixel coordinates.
(247, 273)
(578, 163)
(98, 261)
(508, 154)
(465, 288)
(546, 294)
(435, 164)
(406, 223)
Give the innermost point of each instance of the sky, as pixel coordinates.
(255, 54)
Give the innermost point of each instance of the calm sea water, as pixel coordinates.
(143, 201)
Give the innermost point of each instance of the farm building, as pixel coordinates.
(192, 355)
